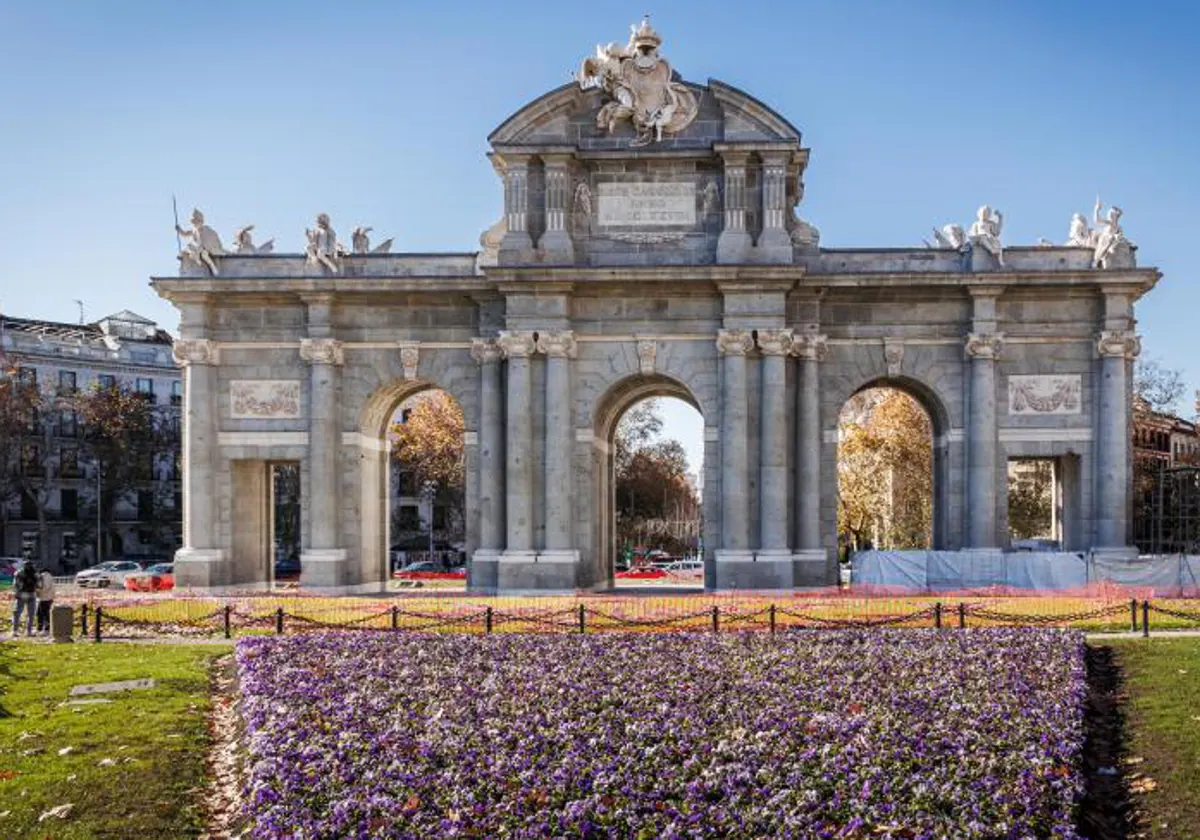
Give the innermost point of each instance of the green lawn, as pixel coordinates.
(133, 768)
(1162, 682)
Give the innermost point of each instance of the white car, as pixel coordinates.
(110, 573)
(686, 566)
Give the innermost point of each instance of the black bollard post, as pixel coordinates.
(83, 612)
(937, 615)
(716, 612)
(279, 620)
(771, 617)
(228, 622)
(395, 617)
(581, 619)
(1133, 615)
(1146, 619)
(487, 620)
(99, 613)
(962, 616)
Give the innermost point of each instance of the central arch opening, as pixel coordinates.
(650, 475)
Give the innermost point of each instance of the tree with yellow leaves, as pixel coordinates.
(885, 471)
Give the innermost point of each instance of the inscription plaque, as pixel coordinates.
(647, 205)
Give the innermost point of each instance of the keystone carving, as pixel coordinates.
(734, 342)
(1118, 343)
(893, 355)
(517, 345)
(196, 351)
(557, 345)
(984, 345)
(322, 351)
(774, 342)
(410, 357)
(647, 353)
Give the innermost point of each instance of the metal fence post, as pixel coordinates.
(395, 617)
(1133, 615)
(487, 620)
(99, 613)
(937, 615)
(771, 618)
(83, 613)
(962, 616)
(228, 622)
(716, 612)
(581, 619)
(1146, 619)
(279, 620)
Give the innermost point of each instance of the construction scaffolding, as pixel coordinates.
(1166, 508)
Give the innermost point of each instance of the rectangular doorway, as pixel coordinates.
(266, 522)
(1035, 504)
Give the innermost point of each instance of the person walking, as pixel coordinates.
(45, 600)
(25, 583)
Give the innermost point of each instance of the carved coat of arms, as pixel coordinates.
(637, 82)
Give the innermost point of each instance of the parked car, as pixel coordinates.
(8, 569)
(109, 573)
(686, 567)
(157, 578)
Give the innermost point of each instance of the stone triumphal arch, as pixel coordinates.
(649, 244)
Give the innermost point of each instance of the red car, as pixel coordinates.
(157, 578)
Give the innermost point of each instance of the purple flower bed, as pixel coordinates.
(907, 733)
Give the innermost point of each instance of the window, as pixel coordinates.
(145, 388)
(27, 376)
(68, 462)
(145, 505)
(405, 414)
(440, 517)
(66, 382)
(68, 424)
(410, 518)
(31, 460)
(70, 548)
(178, 501)
(68, 504)
(28, 508)
(107, 382)
(176, 393)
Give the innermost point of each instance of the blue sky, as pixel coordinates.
(378, 113)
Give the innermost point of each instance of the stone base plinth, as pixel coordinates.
(326, 568)
(62, 623)
(200, 568)
(811, 568)
(774, 246)
(484, 572)
(525, 571)
(733, 246)
(745, 570)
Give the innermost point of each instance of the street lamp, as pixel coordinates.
(428, 492)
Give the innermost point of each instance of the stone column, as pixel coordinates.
(555, 243)
(518, 449)
(734, 244)
(809, 557)
(516, 244)
(491, 450)
(774, 346)
(982, 349)
(774, 243)
(199, 562)
(733, 345)
(559, 348)
(1117, 348)
(322, 563)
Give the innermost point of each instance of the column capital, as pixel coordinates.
(486, 351)
(775, 342)
(810, 346)
(734, 342)
(984, 345)
(517, 344)
(1119, 344)
(557, 345)
(196, 351)
(322, 351)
